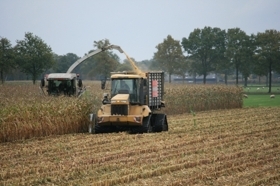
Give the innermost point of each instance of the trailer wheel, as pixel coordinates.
(159, 122)
(165, 125)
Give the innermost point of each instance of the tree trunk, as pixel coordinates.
(226, 78)
(266, 79)
(236, 73)
(184, 78)
(204, 79)
(169, 78)
(245, 81)
(270, 77)
(33, 79)
(2, 76)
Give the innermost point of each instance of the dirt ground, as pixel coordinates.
(223, 147)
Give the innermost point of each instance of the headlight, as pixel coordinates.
(137, 119)
(99, 119)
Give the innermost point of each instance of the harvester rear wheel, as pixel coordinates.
(159, 122)
(165, 125)
(147, 127)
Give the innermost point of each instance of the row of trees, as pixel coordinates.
(31, 56)
(204, 51)
(212, 50)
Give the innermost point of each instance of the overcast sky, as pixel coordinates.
(71, 26)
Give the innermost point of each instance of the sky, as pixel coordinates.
(137, 26)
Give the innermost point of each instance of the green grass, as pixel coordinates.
(260, 89)
(263, 100)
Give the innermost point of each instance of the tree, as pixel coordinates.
(153, 65)
(224, 66)
(236, 43)
(205, 46)
(184, 66)
(268, 50)
(103, 63)
(248, 53)
(6, 58)
(192, 67)
(222, 63)
(258, 66)
(33, 56)
(169, 55)
(125, 66)
(64, 62)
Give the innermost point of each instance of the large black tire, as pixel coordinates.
(159, 122)
(165, 125)
(147, 124)
(104, 129)
(145, 128)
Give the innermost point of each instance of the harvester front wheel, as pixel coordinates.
(145, 128)
(104, 129)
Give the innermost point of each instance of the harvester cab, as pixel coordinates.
(67, 84)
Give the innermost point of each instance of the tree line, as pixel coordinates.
(204, 51)
(213, 50)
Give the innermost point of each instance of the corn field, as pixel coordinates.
(26, 113)
(190, 98)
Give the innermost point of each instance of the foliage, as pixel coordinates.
(248, 64)
(145, 66)
(208, 50)
(103, 63)
(268, 51)
(236, 48)
(150, 65)
(33, 56)
(6, 58)
(170, 56)
(205, 46)
(64, 62)
(125, 66)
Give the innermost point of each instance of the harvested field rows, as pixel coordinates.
(222, 147)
